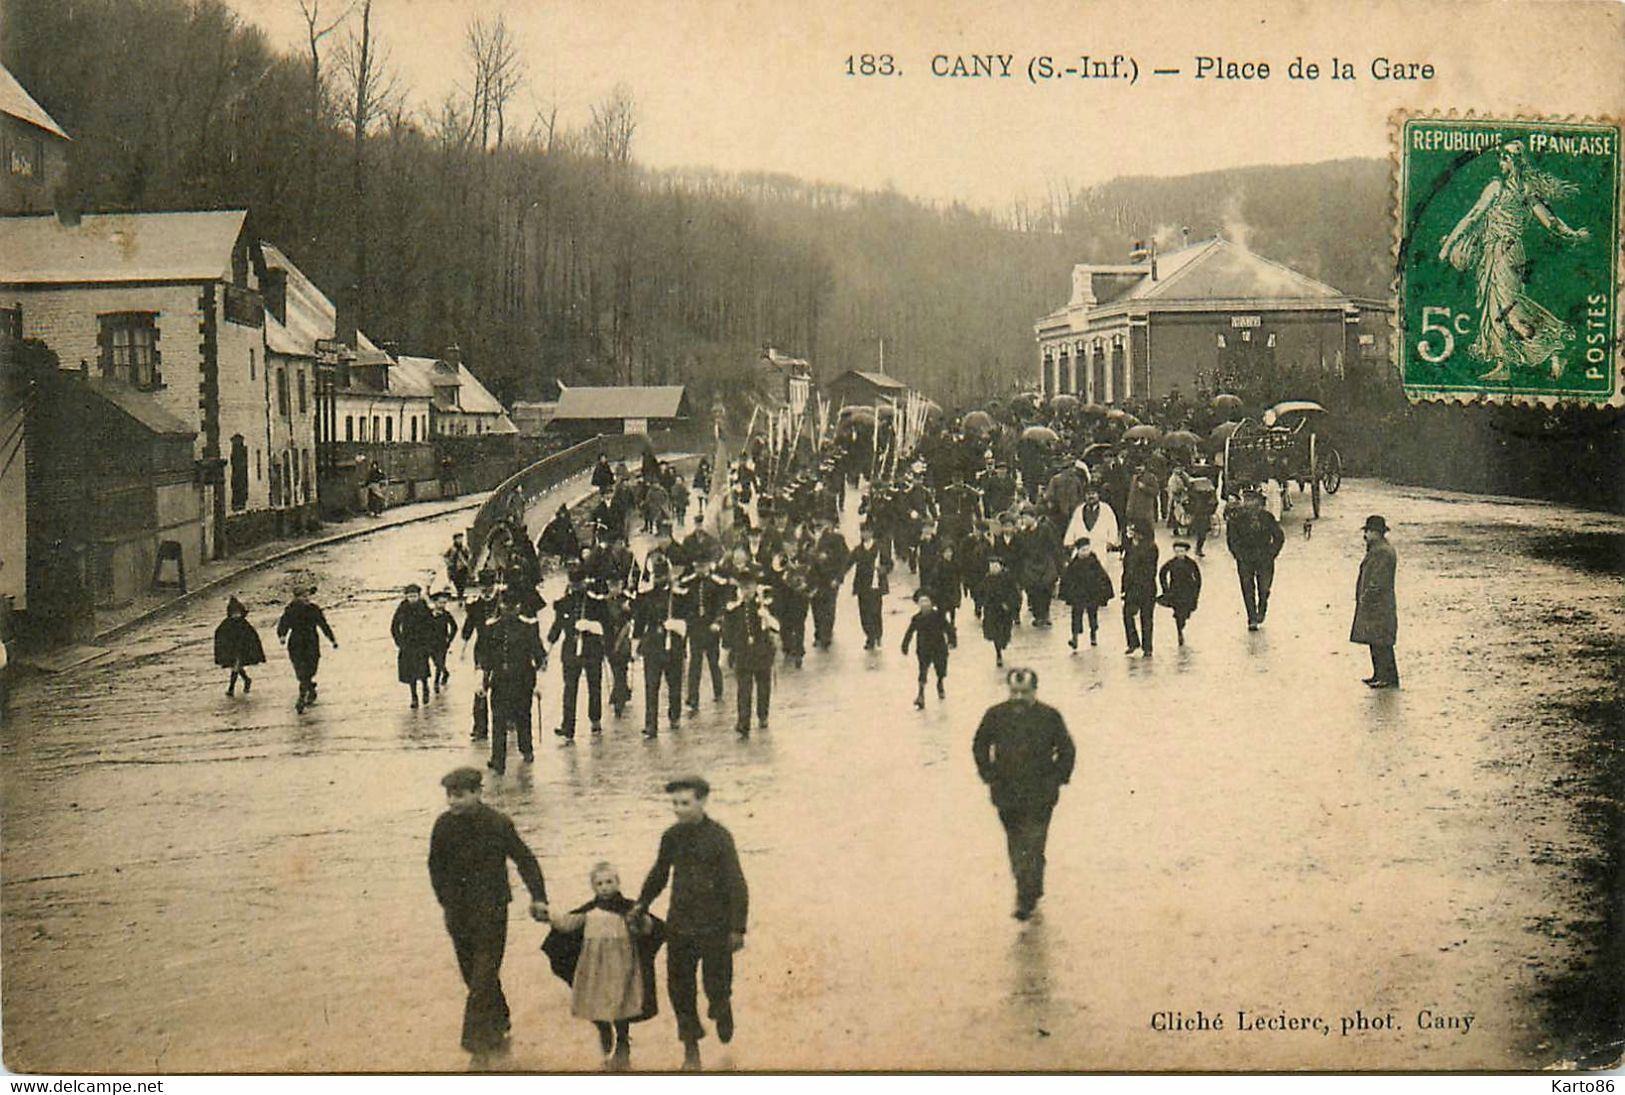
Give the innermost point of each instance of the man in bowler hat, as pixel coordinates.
(1376, 612)
(1024, 754)
(468, 867)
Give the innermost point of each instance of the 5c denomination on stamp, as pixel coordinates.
(1508, 279)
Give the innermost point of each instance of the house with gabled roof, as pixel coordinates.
(1197, 319)
(33, 150)
(587, 412)
(169, 306)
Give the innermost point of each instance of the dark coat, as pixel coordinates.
(870, 567)
(563, 950)
(933, 632)
(1023, 753)
(999, 600)
(748, 630)
(237, 643)
(468, 860)
(513, 655)
(1037, 549)
(413, 629)
(300, 622)
(1181, 584)
(1376, 610)
(1253, 534)
(1140, 573)
(1085, 581)
(580, 627)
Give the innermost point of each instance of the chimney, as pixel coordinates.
(453, 354)
(1185, 236)
(1153, 259)
(276, 293)
(1138, 252)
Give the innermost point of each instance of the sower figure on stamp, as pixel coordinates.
(1376, 611)
(1255, 538)
(705, 922)
(468, 867)
(1024, 754)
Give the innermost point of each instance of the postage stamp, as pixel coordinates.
(1508, 277)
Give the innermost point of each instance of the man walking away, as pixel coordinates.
(468, 854)
(705, 922)
(1024, 754)
(1376, 611)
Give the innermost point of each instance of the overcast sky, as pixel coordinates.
(760, 85)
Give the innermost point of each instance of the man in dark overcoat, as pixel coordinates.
(514, 654)
(1024, 754)
(1376, 611)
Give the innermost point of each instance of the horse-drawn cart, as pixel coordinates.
(1287, 444)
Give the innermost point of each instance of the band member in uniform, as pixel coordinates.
(578, 632)
(515, 654)
(702, 608)
(750, 630)
(481, 613)
(662, 639)
(827, 567)
(871, 566)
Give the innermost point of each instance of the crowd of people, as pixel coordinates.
(985, 516)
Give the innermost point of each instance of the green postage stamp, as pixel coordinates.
(1508, 252)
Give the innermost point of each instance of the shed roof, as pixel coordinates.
(664, 401)
(141, 406)
(15, 101)
(879, 380)
(38, 249)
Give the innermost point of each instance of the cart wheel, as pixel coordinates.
(1332, 476)
(1314, 477)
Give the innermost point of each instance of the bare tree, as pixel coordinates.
(614, 121)
(373, 88)
(316, 29)
(498, 73)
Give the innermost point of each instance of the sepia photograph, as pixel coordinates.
(554, 537)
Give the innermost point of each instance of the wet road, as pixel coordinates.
(193, 882)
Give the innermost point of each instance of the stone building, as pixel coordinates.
(33, 150)
(1200, 319)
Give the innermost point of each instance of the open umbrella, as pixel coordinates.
(1065, 403)
(1094, 410)
(1142, 433)
(1116, 414)
(865, 415)
(1042, 434)
(1181, 439)
(977, 422)
(1096, 452)
(1221, 433)
(1226, 402)
(888, 411)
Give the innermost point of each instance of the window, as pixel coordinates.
(303, 406)
(389, 429)
(308, 487)
(259, 471)
(377, 430)
(282, 392)
(349, 427)
(414, 427)
(251, 363)
(129, 346)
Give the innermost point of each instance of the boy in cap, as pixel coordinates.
(705, 922)
(934, 635)
(871, 564)
(1181, 580)
(297, 630)
(469, 851)
(445, 630)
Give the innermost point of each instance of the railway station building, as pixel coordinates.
(1201, 319)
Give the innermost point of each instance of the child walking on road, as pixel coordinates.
(237, 645)
(1181, 579)
(1087, 587)
(607, 955)
(297, 629)
(934, 635)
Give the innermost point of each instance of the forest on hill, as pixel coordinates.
(546, 251)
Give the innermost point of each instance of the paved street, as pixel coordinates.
(194, 882)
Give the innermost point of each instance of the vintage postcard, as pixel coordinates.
(558, 537)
